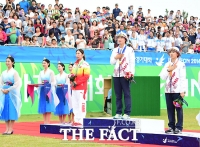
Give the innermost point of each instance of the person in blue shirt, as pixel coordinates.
(25, 5)
(108, 99)
(121, 30)
(116, 11)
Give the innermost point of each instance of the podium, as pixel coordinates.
(145, 94)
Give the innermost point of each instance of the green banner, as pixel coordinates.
(29, 73)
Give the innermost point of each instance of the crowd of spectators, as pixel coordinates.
(29, 23)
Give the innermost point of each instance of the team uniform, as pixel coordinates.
(48, 99)
(10, 103)
(127, 64)
(64, 107)
(175, 84)
(82, 71)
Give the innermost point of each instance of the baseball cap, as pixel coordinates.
(1, 5)
(1, 26)
(103, 19)
(140, 7)
(42, 5)
(6, 17)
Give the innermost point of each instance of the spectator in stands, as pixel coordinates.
(69, 19)
(141, 40)
(33, 6)
(75, 31)
(8, 10)
(116, 11)
(69, 39)
(111, 29)
(29, 30)
(54, 43)
(185, 24)
(191, 49)
(39, 24)
(192, 35)
(9, 3)
(120, 16)
(18, 22)
(107, 39)
(55, 12)
(96, 41)
(62, 43)
(198, 33)
(102, 26)
(49, 11)
(160, 43)
(1, 9)
(186, 44)
(26, 41)
(151, 42)
(5, 24)
(169, 41)
(197, 47)
(178, 41)
(13, 34)
(24, 5)
(61, 27)
(67, 27)
(50, 38)
(34, 41)
(121, 29)
(77, 15)
(130, 11)
(93, 28)
(3, 36)
(94, 18)
(81, 43)
(81, 29)
(39, 35)
(133, 41)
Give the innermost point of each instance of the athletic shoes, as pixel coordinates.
(125, 116)
(169, 131)
(177, 131)
(117, 116)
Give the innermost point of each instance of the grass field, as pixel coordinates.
(190, 123)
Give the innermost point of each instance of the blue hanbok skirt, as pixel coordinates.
(63, 106)
(9, 111)
(45, 104)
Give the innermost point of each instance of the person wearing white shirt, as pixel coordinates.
(69, 39)
(120, 16)
(169, 41)
(151, 42)
(102, 26)
(50, 38)
(174, 72)
(178, 41)
(148, 16)
(141, 40)
(81, 43)
(134, 41)
(123, 59)
(160, 43)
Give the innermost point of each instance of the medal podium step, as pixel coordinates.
(151, 131)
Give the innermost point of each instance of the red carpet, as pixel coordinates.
(33, 129)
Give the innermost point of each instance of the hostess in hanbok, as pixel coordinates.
(63, 92)
(10, 98)
(48, 99)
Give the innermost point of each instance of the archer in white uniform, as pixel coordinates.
(123, 58)
(174, 72)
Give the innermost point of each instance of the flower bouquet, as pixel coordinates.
(129, 76)
(179, 102)
(72, 79)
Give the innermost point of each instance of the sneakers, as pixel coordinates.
(117, 116)
(125, 116)
(177, 131)
(169, 131)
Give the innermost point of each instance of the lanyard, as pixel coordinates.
(122, 50)
(79, 65)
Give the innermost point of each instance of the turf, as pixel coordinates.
(27, 141)
(190, 122)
